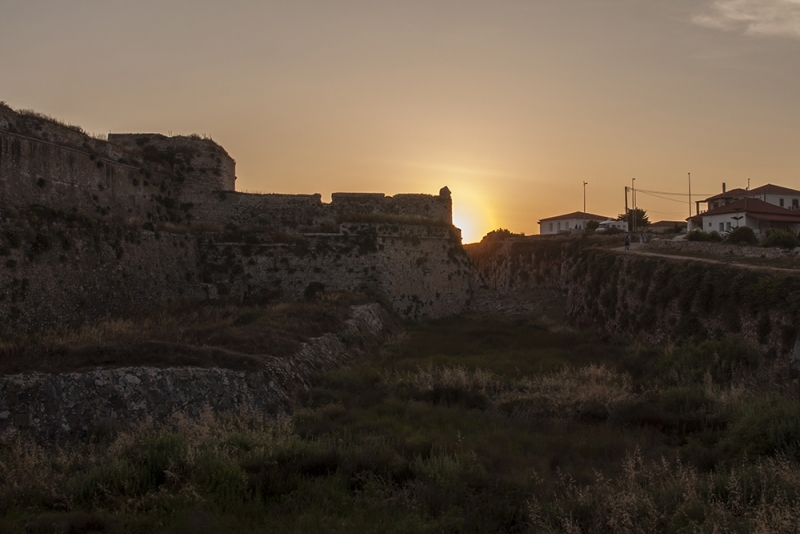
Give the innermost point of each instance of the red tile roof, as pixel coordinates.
(733, 193)
(577, 215)
(755, 208)
(768, 189)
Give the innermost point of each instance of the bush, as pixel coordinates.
(780, 238)
(699, 235)
(744, 235)
(766, 426)
(721, 359)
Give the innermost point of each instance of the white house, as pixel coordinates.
(568, 222)
(776, 195)
(753, 212)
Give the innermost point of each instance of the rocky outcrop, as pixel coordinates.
(74, 405)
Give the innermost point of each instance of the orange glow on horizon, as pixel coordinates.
(472, 215)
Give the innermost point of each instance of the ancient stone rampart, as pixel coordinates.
(199, 165)
(419, 271)
(37, 172)
(92, 227)
(62, 276)
(290, 213)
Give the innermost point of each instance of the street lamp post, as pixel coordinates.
(584, 206)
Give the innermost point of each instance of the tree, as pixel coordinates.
(500, 234)
(640, 216)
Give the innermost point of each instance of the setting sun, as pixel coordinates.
(472, 215)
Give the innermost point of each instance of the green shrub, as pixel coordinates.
(766, 426)
(743, 235)
(780, 238)
(689, 363)
(699, 235)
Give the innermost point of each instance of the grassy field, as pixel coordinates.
(468, 424)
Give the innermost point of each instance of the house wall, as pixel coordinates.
(565, 225)
(789, 201)
(711, 223)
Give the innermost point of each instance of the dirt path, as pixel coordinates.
(636, 250)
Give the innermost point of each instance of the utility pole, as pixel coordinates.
(633, 201)
(690, 196)
(627, 213)
(584, 205)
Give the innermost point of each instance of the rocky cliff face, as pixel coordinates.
(660, 299)
(74, 405)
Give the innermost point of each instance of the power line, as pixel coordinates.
(676, 194)
(662, 198)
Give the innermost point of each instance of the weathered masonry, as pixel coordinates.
(93, 227)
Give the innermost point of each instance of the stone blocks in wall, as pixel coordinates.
(418, 271)
(201, 165)
(66, 187)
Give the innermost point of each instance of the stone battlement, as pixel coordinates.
(73, 206)
(146, 175)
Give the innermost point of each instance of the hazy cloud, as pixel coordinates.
(754, 17)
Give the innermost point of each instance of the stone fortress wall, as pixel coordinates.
(93, 227)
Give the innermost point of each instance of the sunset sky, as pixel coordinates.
(512, 104)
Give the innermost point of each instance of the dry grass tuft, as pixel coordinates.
(562, 394)
(663, 497)
(228, 336)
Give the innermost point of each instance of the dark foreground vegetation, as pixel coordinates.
(461, 425)
(181, 334)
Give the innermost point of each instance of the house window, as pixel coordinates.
(795, 204)
(567, 223)
(728, 226)
(709, 225)
(559, 226)
(551, 227)
(781, 202)
(721, 227)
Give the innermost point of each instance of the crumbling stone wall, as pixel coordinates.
(91, 228)
(289, 213)
(75, 404)
(34, 171)
(59, 276)
(199, 165)
(420, 271)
